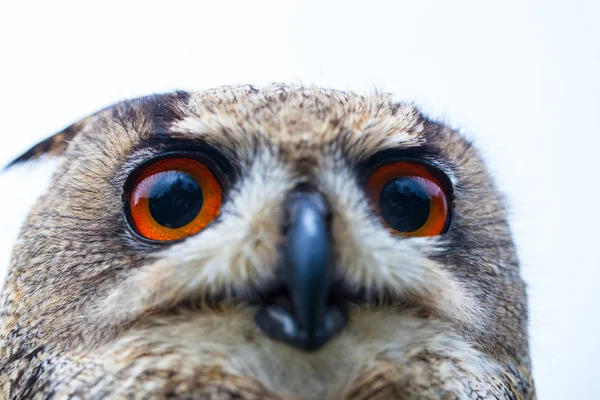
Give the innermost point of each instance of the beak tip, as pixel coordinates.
(281, 326)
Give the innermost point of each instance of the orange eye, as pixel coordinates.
(410, 198)
(174, 198)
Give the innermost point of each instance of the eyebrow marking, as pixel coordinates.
(166, 109)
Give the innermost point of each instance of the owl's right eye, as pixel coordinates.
(174, 198)
(411, 198)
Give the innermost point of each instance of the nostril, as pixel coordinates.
(304, 187)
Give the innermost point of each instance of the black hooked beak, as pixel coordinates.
(304, 314)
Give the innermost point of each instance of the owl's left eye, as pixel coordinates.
(412, 198)
(174, 198)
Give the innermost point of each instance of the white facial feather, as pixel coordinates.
(400, 336)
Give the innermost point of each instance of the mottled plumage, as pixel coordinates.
(90, 310)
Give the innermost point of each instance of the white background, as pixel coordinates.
(519, 78)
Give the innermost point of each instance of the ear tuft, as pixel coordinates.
(161, 109)
(54, 145)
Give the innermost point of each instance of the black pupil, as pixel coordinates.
(175, 199)
(404, 204)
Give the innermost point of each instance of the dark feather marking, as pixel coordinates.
(34, 374)
(166, 109)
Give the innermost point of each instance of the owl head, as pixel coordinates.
(294, 239)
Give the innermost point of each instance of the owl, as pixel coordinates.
(283, 242)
